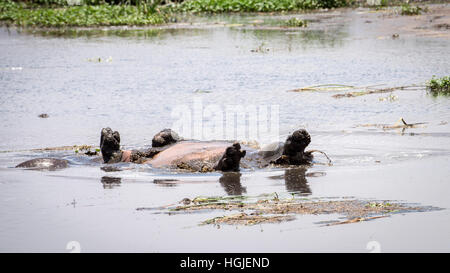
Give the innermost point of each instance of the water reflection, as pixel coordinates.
(295, 180)
(231, 182)
(110, 182)
(166, 182)
(145, 33)
(279, 38)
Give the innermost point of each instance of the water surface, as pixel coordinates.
(145, 73)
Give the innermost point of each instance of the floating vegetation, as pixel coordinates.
(369, 91)
(400, 124)
(389, 98)
(439, 86)
(92, 153)
(407, 9)
(75, 148)
(219, 6)
(359, 90)
(295, 22)
(248, 219)
(274, 209)
(324, 87)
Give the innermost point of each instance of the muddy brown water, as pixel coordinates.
(152, 70)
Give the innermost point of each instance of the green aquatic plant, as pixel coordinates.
(439, 86)
(407, 9)
(219, 6)
(22, 14)
(295, 22)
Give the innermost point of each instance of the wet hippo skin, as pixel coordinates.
(44, 164)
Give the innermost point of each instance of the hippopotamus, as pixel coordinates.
(44, 164)
(169, 150)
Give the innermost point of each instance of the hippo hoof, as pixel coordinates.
(294, 149)
(44, 164)
(231, 159)
(165, 137)
(110, 145)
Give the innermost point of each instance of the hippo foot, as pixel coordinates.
(165, 137)
(110, 146)
(231, 159)
(294, 149)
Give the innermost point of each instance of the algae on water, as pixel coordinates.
(439, 86)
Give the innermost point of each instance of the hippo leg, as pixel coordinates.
(160, 142)
(165, 137)
(294, 149)
(110, 146)
(230, 159)
(44, 164)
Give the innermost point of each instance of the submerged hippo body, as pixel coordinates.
(173, 152)
(190, 153)
(170, 151)
(200, 156)
(44, 164)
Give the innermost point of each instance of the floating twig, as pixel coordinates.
(318, 151)
(400, 124)
(324, 87)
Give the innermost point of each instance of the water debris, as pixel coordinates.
(87, 149)
(390, 98)
(355, 220)
(359, 90)
(330, 163)
(295, 22)
(400, 124)
(43, 115)
(217, 199)
(61, 148)
(99, 60)
(90, 153)
(373, 91)
(439, 86)
(248, 219)
(76, 148)
(260, 49)
(324, 87)
(276, 209)
(202, 91)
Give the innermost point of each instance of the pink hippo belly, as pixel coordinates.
(189, 151)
